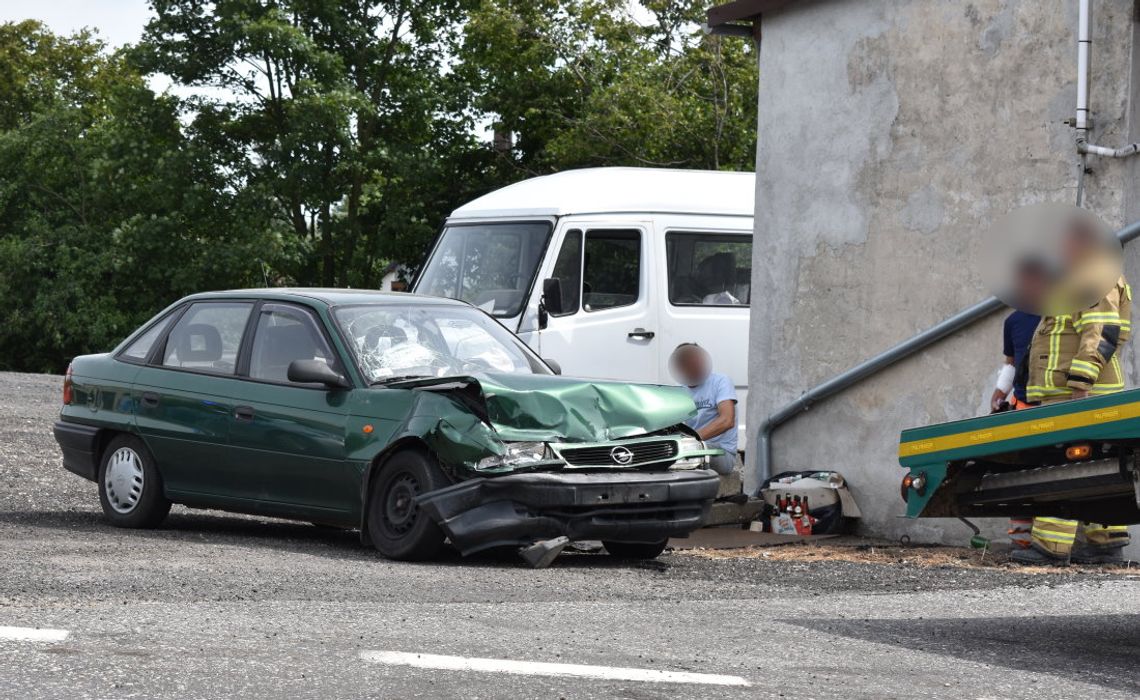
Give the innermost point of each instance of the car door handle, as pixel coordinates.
(641, 334)
(149, 399)
(243, 412)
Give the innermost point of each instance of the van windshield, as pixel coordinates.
(488, 265)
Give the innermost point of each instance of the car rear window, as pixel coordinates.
(139, 349)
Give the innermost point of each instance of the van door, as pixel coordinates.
(707, 293)
(607, 325)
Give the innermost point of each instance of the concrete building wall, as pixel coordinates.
(891, 132)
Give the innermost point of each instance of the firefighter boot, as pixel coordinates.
(1101, 544)
(1051, 542)
(1033, 556)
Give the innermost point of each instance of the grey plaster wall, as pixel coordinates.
(891, 133)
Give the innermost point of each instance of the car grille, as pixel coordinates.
(638, 453)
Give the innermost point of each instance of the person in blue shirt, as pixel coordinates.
(1017, 335)
(715, 397)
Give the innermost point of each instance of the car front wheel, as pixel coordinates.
(398, 527)
(635, 550)
(130, 487)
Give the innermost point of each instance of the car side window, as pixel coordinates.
(284, 334)
(139, 350)
(568, 271)
(612, 272)
(207, 337)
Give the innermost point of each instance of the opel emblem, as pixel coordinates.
(621, 455)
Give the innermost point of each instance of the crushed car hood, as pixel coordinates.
(551, 408)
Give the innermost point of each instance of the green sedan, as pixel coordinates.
(417, 420)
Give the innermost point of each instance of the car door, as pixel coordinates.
(292, 435)
(185, 398)
(607, 327)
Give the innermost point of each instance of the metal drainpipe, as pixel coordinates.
(881, 361)
(1082, 122)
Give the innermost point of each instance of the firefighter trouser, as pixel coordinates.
(1056, 536)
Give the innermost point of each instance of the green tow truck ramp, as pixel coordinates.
(1076, 459)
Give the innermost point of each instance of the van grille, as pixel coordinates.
(611, 455)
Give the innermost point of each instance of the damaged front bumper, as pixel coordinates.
(623, 506)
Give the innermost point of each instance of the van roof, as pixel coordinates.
(619, 190)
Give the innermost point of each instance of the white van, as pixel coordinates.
(607, 270)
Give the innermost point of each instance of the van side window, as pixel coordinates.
(612, 272)
(568, 270)
(709, 269)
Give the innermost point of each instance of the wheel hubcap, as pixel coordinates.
(123, 480)
(400, 505)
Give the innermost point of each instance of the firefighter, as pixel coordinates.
(1073, 356)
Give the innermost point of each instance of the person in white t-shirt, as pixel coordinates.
(715, 397)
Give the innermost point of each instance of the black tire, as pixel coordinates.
(635, 550)
(397, 527)
(131, 491)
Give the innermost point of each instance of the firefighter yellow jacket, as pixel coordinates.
(1081, 350)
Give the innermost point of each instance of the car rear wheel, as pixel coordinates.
(398, 527)
(635, 550)
(130, 487)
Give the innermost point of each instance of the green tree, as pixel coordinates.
(586, 82)
(109, 210)
(340, 108)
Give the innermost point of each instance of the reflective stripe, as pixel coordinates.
(1039, 392)
(1054, 535)
(1054, 349)
(1100, 389)
(1110, 318)
(1084, 367)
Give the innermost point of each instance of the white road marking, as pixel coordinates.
(538, 668)
(32, 634)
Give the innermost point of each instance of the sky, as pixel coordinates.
(117, 21)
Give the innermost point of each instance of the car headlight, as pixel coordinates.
(517, 454)
(691, 454)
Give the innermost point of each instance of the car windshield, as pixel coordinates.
(396, 341)
(488, 265)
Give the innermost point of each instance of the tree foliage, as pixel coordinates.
(318, 141)
(109, 209)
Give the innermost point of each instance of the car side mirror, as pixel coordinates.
(553, 365)
(316, 372)
(552, 295)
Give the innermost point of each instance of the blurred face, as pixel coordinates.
(1050, 259)
(1031, 286)
(691, 365)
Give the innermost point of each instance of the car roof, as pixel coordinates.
(329, 296)
(619, 190)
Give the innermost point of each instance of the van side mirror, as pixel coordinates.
(552, 295)
(316, 372)
(553, 365)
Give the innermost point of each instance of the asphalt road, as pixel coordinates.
(217, 606)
